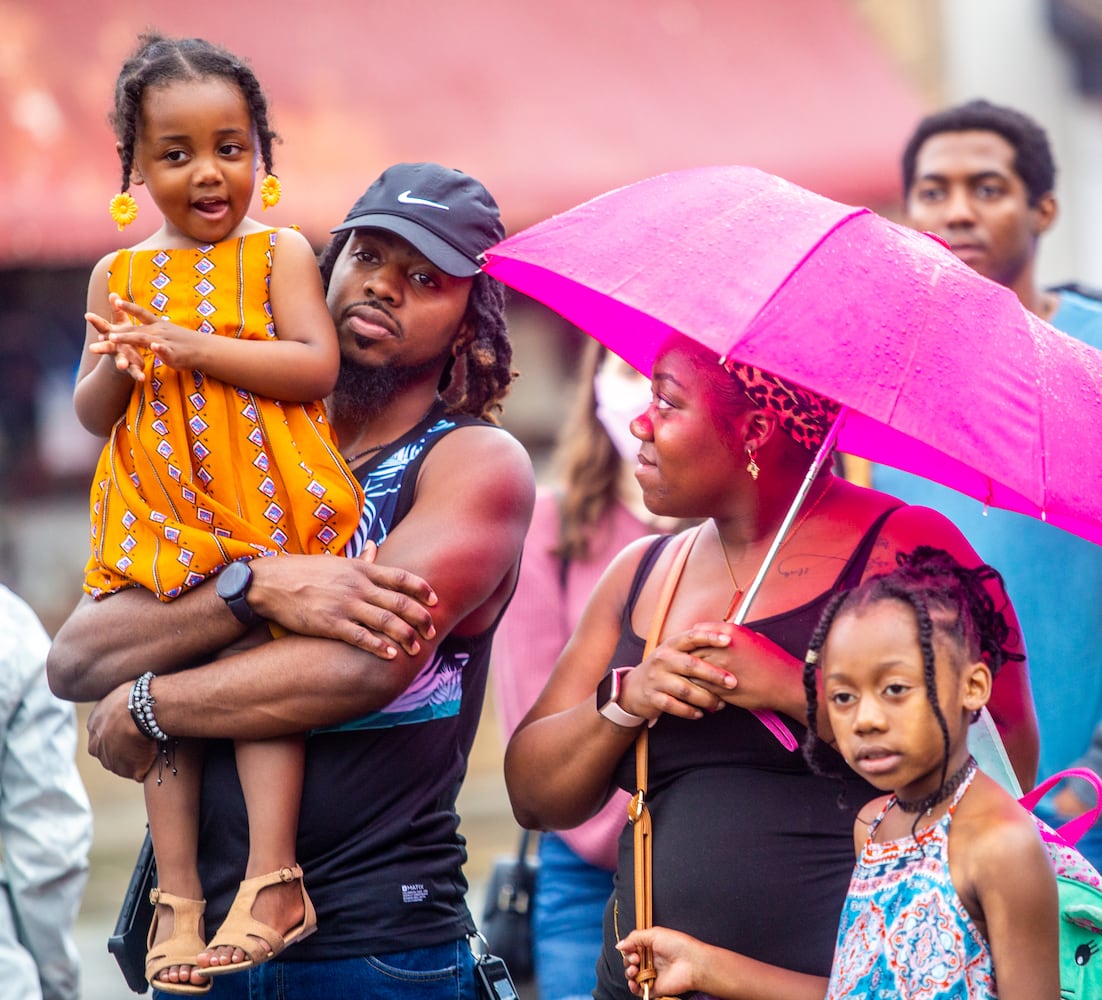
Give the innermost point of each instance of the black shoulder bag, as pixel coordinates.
(507, 916)
(128, 942)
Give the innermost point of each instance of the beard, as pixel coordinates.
(364, 391)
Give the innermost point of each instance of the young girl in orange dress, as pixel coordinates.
(208, 347)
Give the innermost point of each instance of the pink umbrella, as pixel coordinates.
(941, 372)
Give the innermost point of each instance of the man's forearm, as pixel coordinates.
(289, 685)
(105, 643)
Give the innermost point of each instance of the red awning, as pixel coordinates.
(548, 103)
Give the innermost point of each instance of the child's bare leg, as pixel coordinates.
(172, 806)
(271, 774)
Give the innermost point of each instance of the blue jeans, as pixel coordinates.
(567, 921)
(442, 972)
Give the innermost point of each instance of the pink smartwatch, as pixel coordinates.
(608, 699)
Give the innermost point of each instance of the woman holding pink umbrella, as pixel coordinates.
(751, 850)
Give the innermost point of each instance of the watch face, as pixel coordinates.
(608, 689)
(608, 700)
(233, 580)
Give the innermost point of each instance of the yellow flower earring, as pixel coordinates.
(123, 209)
(270, 190)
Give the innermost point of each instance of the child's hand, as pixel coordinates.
(176, 346)
(675, 956)
(127, 359)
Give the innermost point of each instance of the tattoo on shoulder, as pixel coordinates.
(881, 559)
(800, 564)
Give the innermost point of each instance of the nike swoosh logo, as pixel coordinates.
(407, 198)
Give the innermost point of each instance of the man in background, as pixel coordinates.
(982, 177)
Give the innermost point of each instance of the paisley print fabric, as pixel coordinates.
(904, 933)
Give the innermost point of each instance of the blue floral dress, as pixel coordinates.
(904, 932)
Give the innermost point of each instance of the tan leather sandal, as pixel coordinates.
(257, 940)
(181, 947)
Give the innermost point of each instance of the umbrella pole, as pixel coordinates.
(819, 461)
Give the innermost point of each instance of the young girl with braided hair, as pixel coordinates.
(953, 894)
(209, 345)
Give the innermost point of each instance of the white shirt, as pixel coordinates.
(45, 818)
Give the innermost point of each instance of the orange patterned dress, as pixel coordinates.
(199, 473)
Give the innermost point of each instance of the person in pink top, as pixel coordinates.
(577, 528)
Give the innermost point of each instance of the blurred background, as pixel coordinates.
(549, 104)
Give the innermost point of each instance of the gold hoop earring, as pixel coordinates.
(270, 190)
(752, 467)
(123, 209)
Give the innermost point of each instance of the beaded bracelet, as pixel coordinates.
(140, 703)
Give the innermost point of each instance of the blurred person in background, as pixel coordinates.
(578, 526)
(45, 818)
(982, 177)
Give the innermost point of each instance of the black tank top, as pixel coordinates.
(752, 851)
(378, 834)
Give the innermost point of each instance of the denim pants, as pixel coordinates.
(567, 921)
(441, 972)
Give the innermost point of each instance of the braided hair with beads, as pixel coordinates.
(484, 367)
(947, 599)
(159, 60)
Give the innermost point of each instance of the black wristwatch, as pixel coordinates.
(608, 700)
(232, 585)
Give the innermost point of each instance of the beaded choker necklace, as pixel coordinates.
(952, 783)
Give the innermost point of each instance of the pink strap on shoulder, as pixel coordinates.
(1073, 829)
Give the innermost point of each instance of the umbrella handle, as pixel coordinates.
(773, 723)
(771, 720)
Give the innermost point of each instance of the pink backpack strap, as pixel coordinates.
(1073, 829)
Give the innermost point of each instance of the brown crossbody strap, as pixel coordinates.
(638, 812)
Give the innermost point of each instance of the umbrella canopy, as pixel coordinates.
(942, 372)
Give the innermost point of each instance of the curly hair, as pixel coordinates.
(1033, 160)
(947, 599)
(159, 60)
(482, 373)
